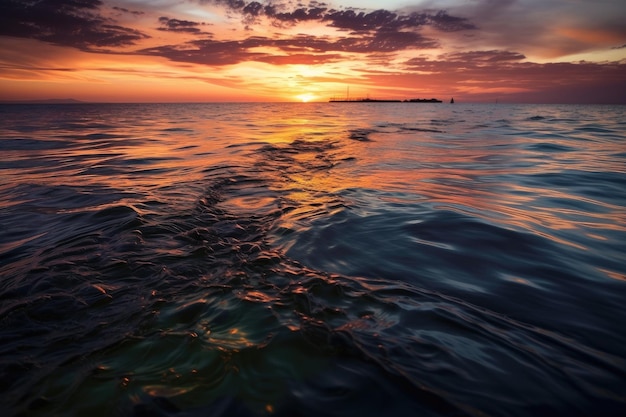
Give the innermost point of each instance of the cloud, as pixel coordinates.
(301, 59)
(210, 52)
(229, 52)
(379, 31)
(176, 25)
(446, 23)
(510, 70)
(125, 10)
(480, 58)
(74, 23)
(349, 19)
(80, 24)
(544, 29)
(472, 64)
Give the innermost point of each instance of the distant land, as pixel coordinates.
(48, 101)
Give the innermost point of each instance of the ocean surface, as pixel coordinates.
(326, 259)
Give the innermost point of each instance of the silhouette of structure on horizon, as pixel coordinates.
(373, 100)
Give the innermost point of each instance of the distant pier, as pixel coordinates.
(373, 100)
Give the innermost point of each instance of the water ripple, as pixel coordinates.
(214, 260)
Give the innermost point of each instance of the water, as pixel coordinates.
(307, 260)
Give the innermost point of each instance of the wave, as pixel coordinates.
(418, 265)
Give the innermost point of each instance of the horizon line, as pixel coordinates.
(66, 101)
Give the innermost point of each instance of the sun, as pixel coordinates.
(306, 97)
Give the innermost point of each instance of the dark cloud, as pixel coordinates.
(379, 31)
(377, 20)
(125, 10)
(378, 42)
(362, 22)
(348, 19)
(231, 4)
(484, 57)
(75, 23)
(176, 25)
(295, 49)
(210, 52)
(254, 9)
(79, 24)
(296, 16)
(391, 41)
(510, 69)
(446, 23)
(302, 59)
(467, 61)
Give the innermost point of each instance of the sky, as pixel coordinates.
(522, 51)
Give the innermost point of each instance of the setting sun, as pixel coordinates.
(306, 97)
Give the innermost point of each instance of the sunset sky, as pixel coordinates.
(538, 51)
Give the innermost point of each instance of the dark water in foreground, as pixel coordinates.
(312, 260)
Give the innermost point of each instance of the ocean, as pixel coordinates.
(314, 259)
